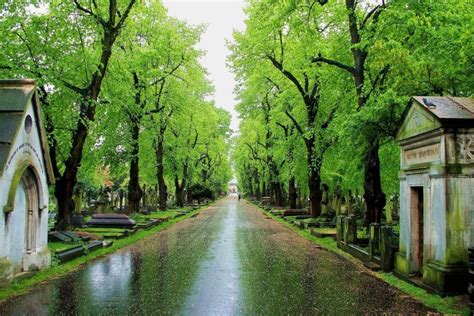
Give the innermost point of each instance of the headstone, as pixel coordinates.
(103, 201)
(144, 197)
(78, 220)
(386, 249)
(77, 198)
(343, 206)
(350, 203)
(340, 221)
(388, 213)
(111, 220)
(351, 229)
(121, 195)
(374, 234)
(338, 200)
(395, 207)
(325, 200)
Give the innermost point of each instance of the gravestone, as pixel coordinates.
(388, 213)
(103, 202)
(395, 207)
(144, 197)
(25, 173)
(111, 220)
(77, 198)
(337, 200)
(121, 194)
(350, 203)
(437, 191)
(325, 200)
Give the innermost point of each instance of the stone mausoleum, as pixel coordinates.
(25, 173)
(437, 192)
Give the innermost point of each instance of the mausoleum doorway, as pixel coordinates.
(417, 214)
(27, 211)
(30, 185)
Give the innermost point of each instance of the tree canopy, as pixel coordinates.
(323, 85)
(124, 97)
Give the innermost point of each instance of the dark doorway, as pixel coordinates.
(417, 226)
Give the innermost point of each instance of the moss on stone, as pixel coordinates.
(6, 272)
(15, 181)
(401, 264)
(456, 248)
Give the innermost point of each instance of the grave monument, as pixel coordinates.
(25, 173)
(437, 191)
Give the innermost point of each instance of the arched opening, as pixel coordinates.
(29, 183)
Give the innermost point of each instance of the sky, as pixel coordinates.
(221, 18)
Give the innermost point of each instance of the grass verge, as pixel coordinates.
(22, 286)
(444, 305)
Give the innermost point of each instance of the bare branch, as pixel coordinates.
(273, 83)
(78, 90)
(321, 59)
(306, 82)
(296, 124)
(284, 127)
(89, 12)
(379, 80)
(374, 14)
(287, 74)
(330, 118)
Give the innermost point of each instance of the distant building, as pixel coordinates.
(437, 191)
(233, 187)
(25, 173)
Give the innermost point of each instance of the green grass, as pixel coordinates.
(58, 246)
(22, 286)
(325, 230)
(445, 305)
(141, 218)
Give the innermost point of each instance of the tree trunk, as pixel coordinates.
(373, 195)
(179, 191)
(64, 188)
(160, 171)
(314, 183)
(292, 196)
(277, 194)
(90, 94)
(258, 194)
(189, 195)
(135, 193)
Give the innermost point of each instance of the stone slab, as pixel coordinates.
(58, 236)
(111, 220)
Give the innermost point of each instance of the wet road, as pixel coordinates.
(230, 259)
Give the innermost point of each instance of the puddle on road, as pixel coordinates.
(155, 275)
(231, 260)
(284, 274)
(216, 291)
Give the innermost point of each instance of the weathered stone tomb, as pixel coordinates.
(25, 172)
(437, 191)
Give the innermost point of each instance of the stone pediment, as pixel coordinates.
(417, 121)
(16, 95)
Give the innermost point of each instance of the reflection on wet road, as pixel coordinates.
(216, 290)
(230, 259)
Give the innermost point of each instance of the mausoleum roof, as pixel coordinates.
(14, 97)
(426, 114)
(448, 108)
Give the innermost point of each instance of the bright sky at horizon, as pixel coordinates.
(221, 18)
